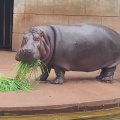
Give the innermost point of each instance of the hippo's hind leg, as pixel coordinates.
(45, 73)
(106, 74)
(59, 76)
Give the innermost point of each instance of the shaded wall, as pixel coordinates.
(29, 13)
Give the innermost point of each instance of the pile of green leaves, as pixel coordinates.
(21, 80)
(8, 84)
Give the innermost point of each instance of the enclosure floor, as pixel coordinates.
(80, 92)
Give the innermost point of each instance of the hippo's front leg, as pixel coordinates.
(45, 73)
(59, 76)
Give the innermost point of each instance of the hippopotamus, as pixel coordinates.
(81, 47)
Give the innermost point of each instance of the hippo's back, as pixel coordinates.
(85, 47)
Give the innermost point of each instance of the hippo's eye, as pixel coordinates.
(37, 39)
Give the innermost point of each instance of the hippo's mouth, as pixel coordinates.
(26, 57)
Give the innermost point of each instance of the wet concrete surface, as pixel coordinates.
(80, 92)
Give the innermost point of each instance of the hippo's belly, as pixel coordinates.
(85, 49)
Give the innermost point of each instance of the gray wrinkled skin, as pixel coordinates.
(83, 47)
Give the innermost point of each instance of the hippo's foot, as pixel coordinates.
(104, 78)
(60, 76)
(106, 74)
(57, 80)
(45, 73)
(42, 77)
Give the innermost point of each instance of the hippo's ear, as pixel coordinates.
(25, 33)
(33, 30)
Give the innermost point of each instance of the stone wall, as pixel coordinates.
(29, 13)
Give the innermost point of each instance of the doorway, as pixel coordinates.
(6, 23)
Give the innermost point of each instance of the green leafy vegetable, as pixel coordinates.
(8, 84)
(21, 80)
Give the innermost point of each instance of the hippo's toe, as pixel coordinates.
(104, 78)
(57, 81)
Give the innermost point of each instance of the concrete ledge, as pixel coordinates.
(65, 108)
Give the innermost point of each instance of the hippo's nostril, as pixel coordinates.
(25, 50)
(29, 50)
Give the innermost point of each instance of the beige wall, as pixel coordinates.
(29, 13)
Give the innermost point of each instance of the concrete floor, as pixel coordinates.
(80, 92)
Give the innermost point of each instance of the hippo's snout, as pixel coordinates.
(25, 55)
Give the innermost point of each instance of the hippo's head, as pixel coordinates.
(33, 46)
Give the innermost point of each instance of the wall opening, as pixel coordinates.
(6, 23)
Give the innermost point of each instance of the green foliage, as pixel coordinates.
(21, 80)
(23, 69)
(8, 84)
